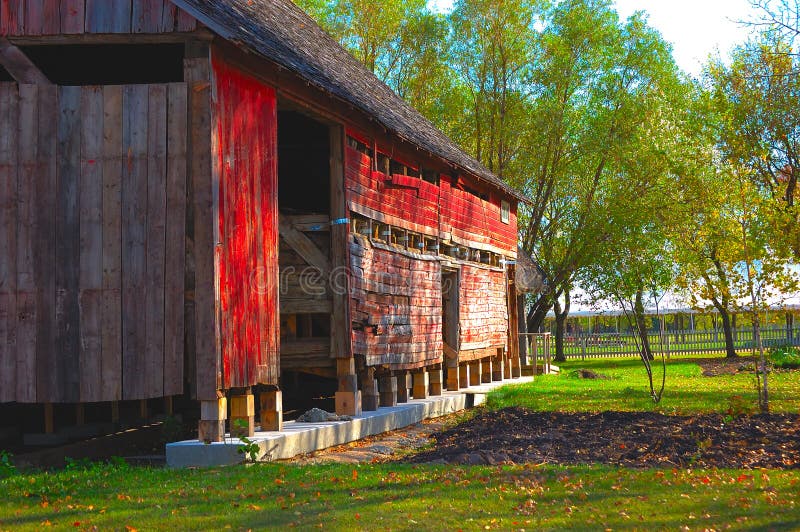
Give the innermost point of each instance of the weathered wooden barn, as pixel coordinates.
(198, 195)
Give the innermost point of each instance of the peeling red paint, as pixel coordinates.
(246, 119)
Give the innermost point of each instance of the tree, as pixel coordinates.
(780, 18)
(759, 95)
(599, 87)
(492, 47)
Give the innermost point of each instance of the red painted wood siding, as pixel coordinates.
(403, 201)
(245, 116)
(55, 17)
(483, 314)
(396, 307)
(472, 219)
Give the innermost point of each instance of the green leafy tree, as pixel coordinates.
(759, 95)
(601, 89)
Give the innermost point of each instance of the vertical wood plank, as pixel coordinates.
(208, 367)
(26, 233)
(184, 21)
(175, 238)
(68, 243)
(45, 261)
(91, 243)
(155, 239)
(8, 231)
(121, 16)
(168, 22)
(51, 17)
(111, 366)
(341, 336)
(98, 16)
(34, 11)
(72, 16)
(134, 213)
(12, 17)
(147, 16)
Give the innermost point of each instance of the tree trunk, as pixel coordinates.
(538, 312)
(641, 326)
(727, 328)
(522, 326)
(561, 323)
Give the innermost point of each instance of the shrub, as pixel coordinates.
(785, 357)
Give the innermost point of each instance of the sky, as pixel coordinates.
(696, 28)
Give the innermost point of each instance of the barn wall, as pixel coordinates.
(483, 313)
(92, 218)
(472, 221)
(245, 135)
(406, 202)
(396, 306)
(54, 17)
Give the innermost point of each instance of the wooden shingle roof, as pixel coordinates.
(280, 31)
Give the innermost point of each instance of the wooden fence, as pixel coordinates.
(605, 345)
(538, 351)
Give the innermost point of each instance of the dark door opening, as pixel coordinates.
(450, 309)
(304, 177)
(303, 164)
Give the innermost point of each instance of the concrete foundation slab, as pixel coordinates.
(300, 438)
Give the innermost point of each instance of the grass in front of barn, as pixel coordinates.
(400, 497)
(686, 391)
(393, 496)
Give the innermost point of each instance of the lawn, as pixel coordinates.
(392, 496)
(687, 391)
(401, 497)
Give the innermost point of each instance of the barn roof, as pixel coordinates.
(283, 33)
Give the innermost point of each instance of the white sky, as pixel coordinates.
(696, 28)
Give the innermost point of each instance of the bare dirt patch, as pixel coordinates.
(632, 439)
(714, 367)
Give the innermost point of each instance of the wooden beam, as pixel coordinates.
(304, 246)
(341, 337)
(20, 66)
(305, 306)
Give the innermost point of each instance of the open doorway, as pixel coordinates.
(303, 164)
(304, 253)
(450, 308)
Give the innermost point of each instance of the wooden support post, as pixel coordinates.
(388, 390)
(475, 373)
(369, 390)
(421, 383)
(348, 396)
(115, 411)
(49, 421)
(435, 379)
(271, 403)
(169, 409)
(507, 363)
(452, 379)
(243, 415)
(498, 365)
(463, 375)
(403, 385)
(213, 414)
(143, 411)
(486, 370)
(80, 415)
(516, 371)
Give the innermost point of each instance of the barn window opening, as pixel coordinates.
(119, 64)
(303, 164)
(4, 75)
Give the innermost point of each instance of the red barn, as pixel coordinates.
(196, 195)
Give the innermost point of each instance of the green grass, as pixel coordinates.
(400, 497)
(426, 497)
(687, 391)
